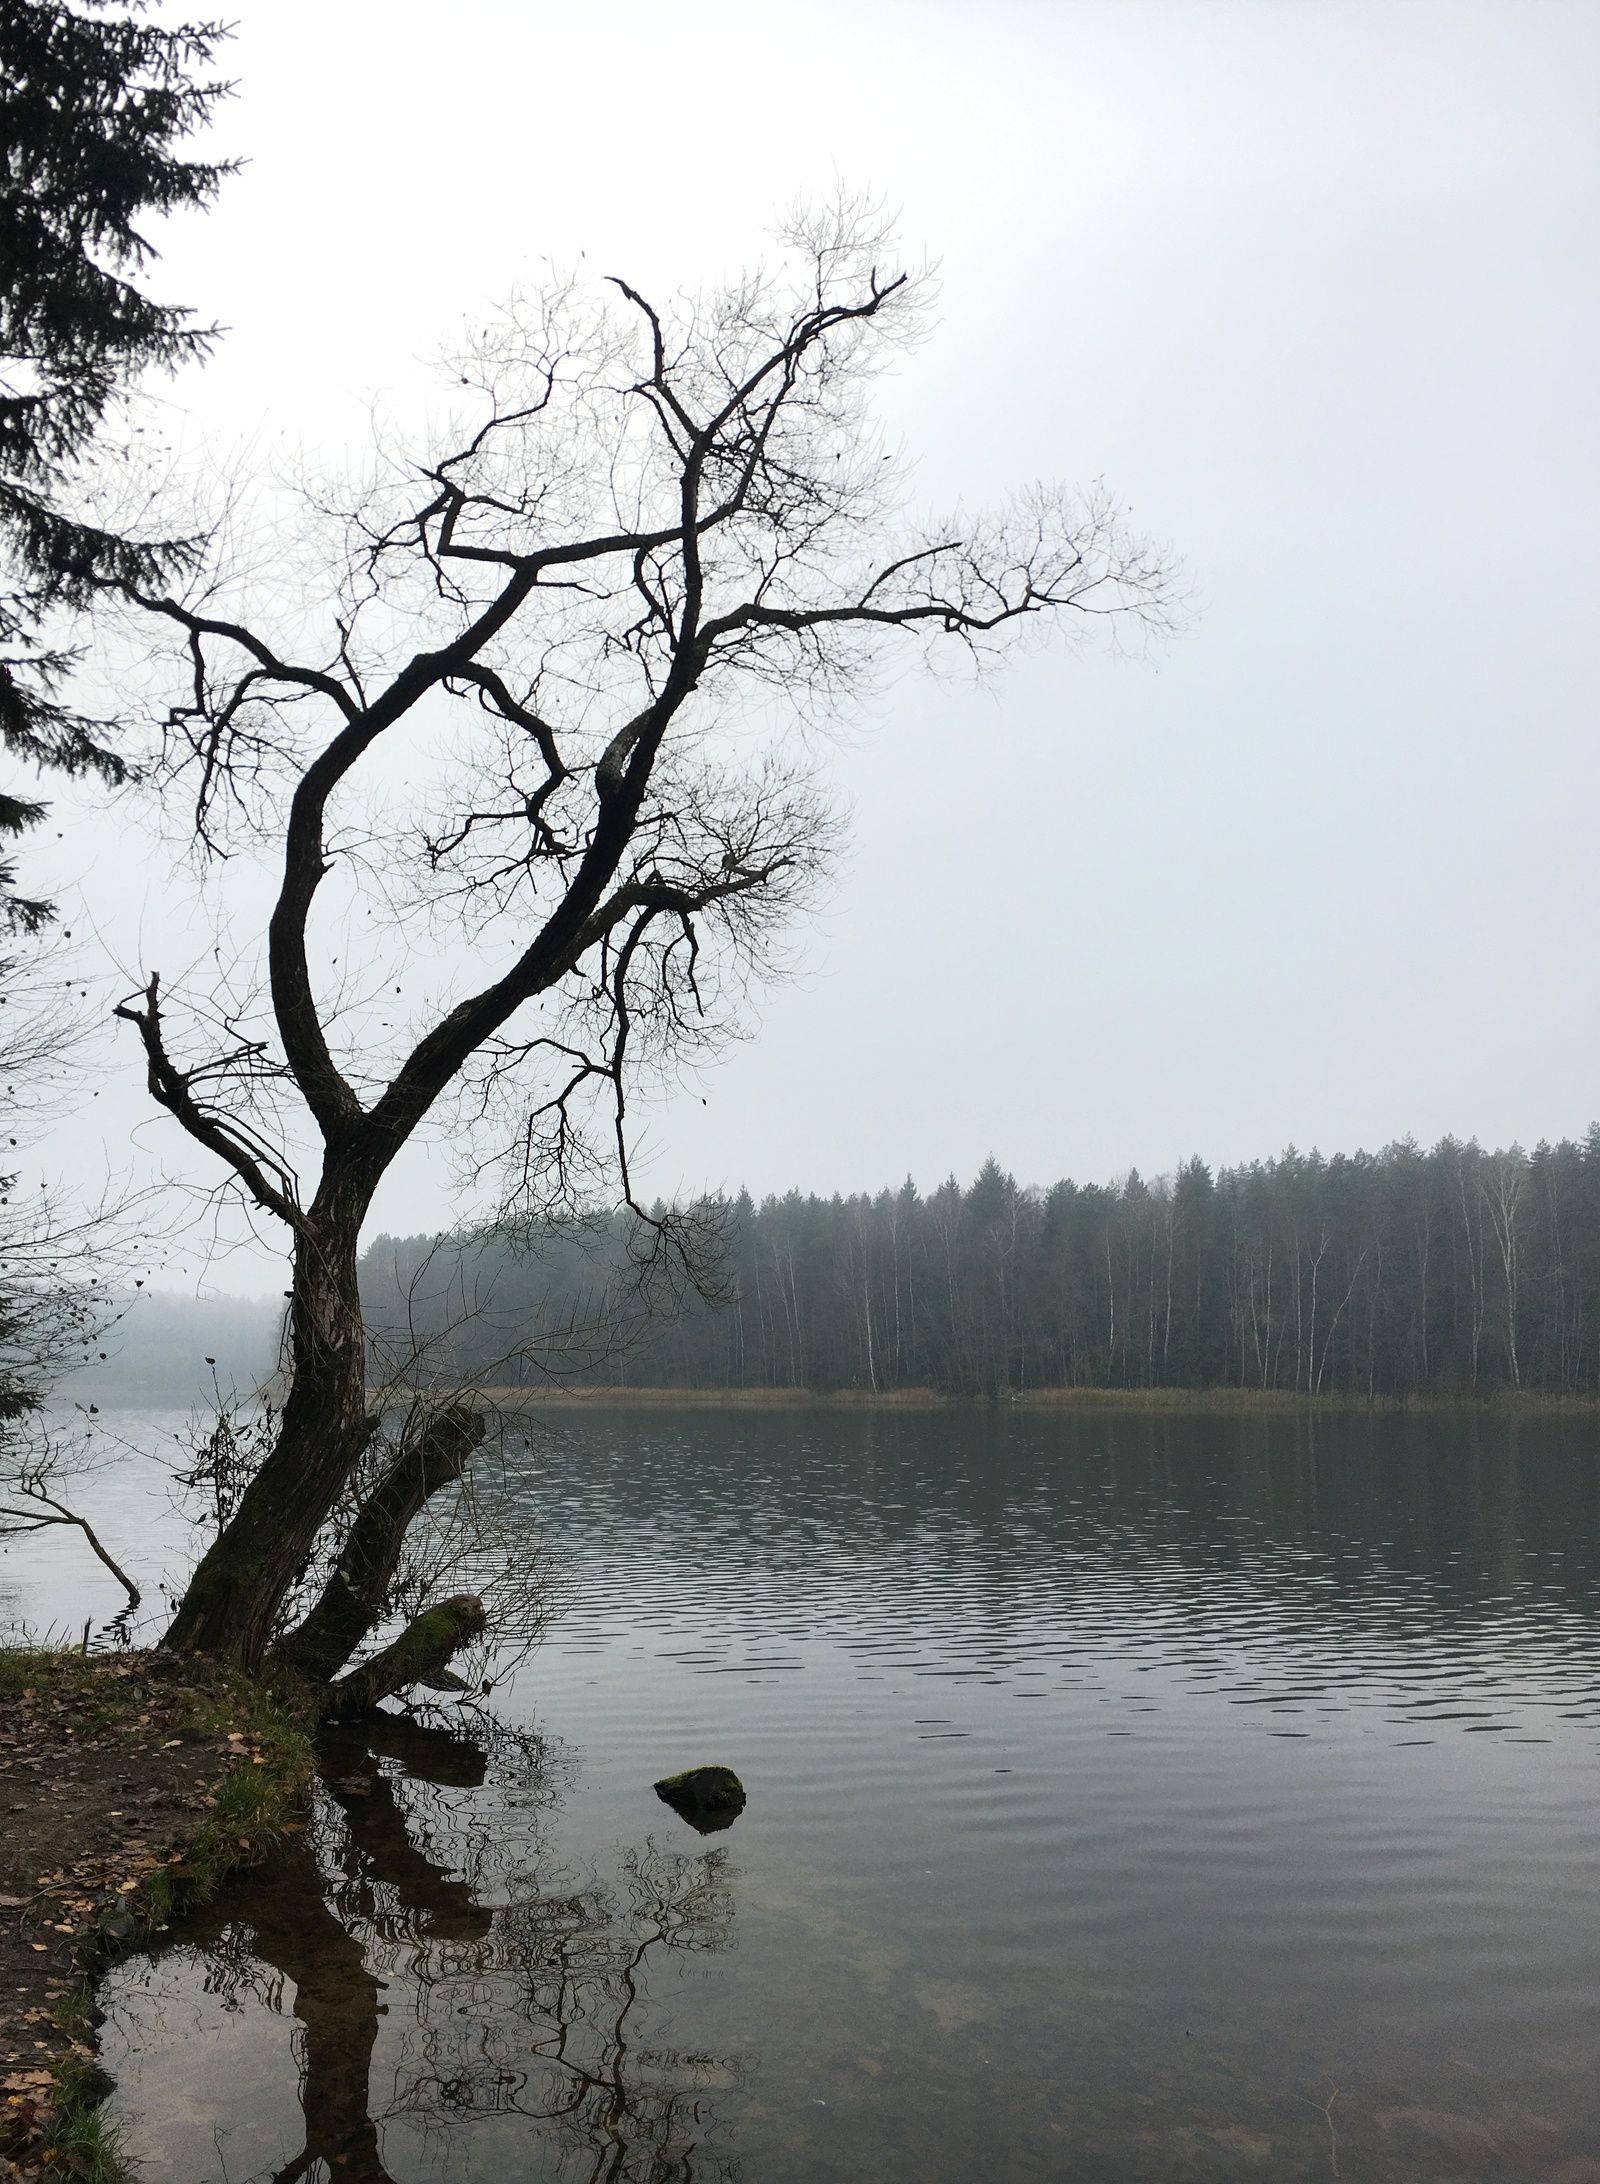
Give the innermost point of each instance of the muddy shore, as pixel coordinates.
(127, 1782)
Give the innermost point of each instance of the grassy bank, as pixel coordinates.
(101, 1754)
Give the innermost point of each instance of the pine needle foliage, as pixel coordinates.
(94, 107)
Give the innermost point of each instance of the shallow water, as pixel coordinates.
(1129, 1798)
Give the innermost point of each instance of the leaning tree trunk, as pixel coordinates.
(431, 1455)
(235, 1595)
(421, 1654)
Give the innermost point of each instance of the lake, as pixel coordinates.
(1131, 1796)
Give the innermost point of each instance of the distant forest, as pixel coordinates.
(1456, 1271)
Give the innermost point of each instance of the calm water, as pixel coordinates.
(1128, 1799)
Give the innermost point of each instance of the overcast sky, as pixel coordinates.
(1312, 286)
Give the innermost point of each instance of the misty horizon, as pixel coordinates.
(1316, 295)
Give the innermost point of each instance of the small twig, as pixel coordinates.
(1325, 2110)
(55, 1512)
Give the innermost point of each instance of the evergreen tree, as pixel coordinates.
(92, 106)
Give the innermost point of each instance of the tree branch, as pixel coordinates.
(16, 1521)
(427, 1460)
(422, 1652)
(169, 1086)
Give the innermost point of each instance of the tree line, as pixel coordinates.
(642, 552)
(1455, 1271)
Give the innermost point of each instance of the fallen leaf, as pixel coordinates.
(12, 1903)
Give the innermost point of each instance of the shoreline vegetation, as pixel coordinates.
(135, 1783)
(1221, 1402)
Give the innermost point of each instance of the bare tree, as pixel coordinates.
(584, 633)
(52, 1299)
(56, 1260)
(1503, 1181)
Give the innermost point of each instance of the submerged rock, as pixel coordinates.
(709, 1798)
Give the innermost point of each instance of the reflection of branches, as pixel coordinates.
(274, 1926)
(394, 1887)
(1325, 2110)
(577, 1966)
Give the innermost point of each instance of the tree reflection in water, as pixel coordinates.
(525, 1995)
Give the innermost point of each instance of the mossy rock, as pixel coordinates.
(709, 1798)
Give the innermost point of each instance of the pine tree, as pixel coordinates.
(92, 106)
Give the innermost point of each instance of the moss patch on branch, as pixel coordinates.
(421, 1654)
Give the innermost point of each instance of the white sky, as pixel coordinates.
(1312, 286)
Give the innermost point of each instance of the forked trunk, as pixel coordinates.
(433, 1452)
(236, 1593)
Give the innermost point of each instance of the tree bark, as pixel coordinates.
(422, 1651)
(235, 1595)
(352, 1601)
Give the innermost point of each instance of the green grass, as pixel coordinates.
(258, 1799)
(82, 2144)
(69, 1671)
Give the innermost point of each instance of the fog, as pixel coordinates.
(1312, 288)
